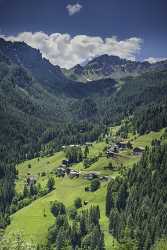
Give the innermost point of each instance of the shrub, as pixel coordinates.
(29, 165)
(95, 184)
(43, 174)
(78, 203)
(58, 208)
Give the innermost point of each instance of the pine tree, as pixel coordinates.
(25, 191)
(122, 196)
(109, 200)
(51, 183)
(86, 152)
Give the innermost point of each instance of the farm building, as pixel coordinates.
(114, 149)
(104, 178)
(123, 144)
(60, 172)
(31, 180)
(65, 162)
(138, 151)
(90, 176)
(110, 153)
(73, 174)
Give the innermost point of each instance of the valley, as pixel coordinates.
(31, 221)
(82, 153)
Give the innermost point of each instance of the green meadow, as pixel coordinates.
(31, 220)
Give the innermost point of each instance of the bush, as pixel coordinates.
(110, 166)
(29, 165)
(95, 184)
(78, 203)
(87, 189)
(43, 174)
(58, 208)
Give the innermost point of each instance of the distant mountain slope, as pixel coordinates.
(111, 67)
(38, 104)
(31, 59)
(26, 110)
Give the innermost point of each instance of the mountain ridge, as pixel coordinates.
(106, 66)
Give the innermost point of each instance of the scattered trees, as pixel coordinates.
(74, 154)
(83, 233)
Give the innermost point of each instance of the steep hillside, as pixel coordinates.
(136, 204)
(39, 105)
(44, 108)
(26, 109)
(111, 67)
(31, 219)
(31, 59)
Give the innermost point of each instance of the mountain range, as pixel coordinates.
(106, 66)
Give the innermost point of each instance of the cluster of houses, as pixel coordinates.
(65, 169)
(93, 175)
(114, 150)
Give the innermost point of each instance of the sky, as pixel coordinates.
(69, 32)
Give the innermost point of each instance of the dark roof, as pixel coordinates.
(140, 149)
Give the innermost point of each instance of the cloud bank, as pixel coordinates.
(154, 60)
(67, 51)
(73, 8)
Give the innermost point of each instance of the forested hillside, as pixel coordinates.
(40, 111)
(136, 205)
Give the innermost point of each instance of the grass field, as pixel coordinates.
(31, 220)
(145, 140)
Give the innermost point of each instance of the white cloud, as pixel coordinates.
(154, 60)
(73, 8)
(67, 51)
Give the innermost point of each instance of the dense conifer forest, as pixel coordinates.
(136, 204)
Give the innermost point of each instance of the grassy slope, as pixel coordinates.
(46, 164)
(145, 140)
(31, 220)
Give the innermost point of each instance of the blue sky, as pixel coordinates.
(124, 19)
